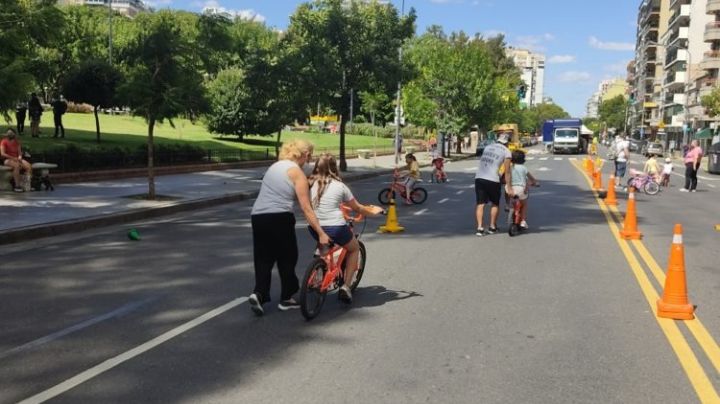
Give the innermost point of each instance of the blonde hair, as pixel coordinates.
(294, 149)
(324, 172)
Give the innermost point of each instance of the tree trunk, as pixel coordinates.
(151, 162)
(458, 147)
(97, 124)
(277, 144)
(343, 124)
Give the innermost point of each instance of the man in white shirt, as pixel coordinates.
(487, 182)
(622, 151)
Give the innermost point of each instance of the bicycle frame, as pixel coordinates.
(335, 265)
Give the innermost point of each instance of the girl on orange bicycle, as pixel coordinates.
(327, 193)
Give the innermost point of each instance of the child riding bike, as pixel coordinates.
(412, 174)
(327, 193)
(438, 172)
(520, 177)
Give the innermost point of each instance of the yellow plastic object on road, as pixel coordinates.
(391, 225)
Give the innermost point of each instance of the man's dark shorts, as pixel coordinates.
(620, 168)
(487, 191)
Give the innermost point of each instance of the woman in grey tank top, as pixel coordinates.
(273, 225)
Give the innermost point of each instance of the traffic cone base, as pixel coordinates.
(630, 229)
(674, 301)
(391, 224)
(611, 198)
(597, 181)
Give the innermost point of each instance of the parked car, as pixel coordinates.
(653, 148)
(534, 140)
(636, 145)
(481, 146)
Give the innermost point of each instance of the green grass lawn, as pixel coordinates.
(131, 132)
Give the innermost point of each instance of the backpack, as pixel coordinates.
(612, 153)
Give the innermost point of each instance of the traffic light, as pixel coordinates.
(521, 91)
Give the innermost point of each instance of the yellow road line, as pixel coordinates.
(688, 360)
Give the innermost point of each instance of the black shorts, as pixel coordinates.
(487, 191)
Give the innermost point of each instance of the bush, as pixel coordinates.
(367, 129)
(79, 108)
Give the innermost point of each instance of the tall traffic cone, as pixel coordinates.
(611, 198)
(590, 167)
(391, 225)
(597, 180)
(630, 229)
(674, 301)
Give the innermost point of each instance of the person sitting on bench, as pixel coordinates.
(11, 153)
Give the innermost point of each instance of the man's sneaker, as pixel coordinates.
(480, 232)
(492, 230)
(524, 225)
(255, 305)
(684, 190)
(288, 304)
(693, 190)
(345, 295)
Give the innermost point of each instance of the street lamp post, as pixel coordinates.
(397, 107)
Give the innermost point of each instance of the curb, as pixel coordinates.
(77, 225)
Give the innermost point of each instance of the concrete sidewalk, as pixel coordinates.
(79, 206)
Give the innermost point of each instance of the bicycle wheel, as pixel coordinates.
(651, 188)
(418, 196)
(311, 296)
(513, 230)
(361, 266)
(385, 196)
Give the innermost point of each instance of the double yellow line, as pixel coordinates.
(688, 360)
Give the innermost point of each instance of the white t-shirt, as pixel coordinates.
(667, 168)
(490, 162)
(620, 147)
(328, 210)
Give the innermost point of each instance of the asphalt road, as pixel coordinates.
(554, 315)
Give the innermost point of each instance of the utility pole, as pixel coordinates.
(399, 99)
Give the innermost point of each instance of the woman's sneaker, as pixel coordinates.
(288, 304)
(345, 295)
(255, 305)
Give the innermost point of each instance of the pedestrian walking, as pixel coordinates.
(273, 225)
(487, 182)
(692, 165)
(35, 110)
(59, 107)
(621, 150)
(20, 116)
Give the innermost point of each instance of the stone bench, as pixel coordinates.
(40, 170)
(364, 153)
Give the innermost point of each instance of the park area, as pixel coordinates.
(124, 143)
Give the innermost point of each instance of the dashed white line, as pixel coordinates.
(101, 368)
(543, 158)
(573, 159)
(420, 212)
(711, 185)
(558, 159)
(459, 192)
(443, 200)
(530, 158)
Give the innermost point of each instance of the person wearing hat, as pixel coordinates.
(495, 157)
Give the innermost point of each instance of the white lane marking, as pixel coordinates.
(459, 192)
(471, 186)
(103, 367)
(530, 158)
(443, 200)
(543, 169)
(710, 185)
(77, 327)
(543, 158)
(469, 168)
(420, 212)
(572, 158)
(558, 159)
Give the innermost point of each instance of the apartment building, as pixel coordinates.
(653, 18)
(532, 70)
(592, 108)
(129, 8)
(685, 48)
(709, 66)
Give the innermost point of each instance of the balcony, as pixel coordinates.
(675, 79)
(712, 31)
(674, 56)
(674, 3)
(680, 17)
(677, 99)
(713, 6)
(676, 35)
(711, 60)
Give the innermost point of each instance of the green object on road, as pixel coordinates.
(133, 235)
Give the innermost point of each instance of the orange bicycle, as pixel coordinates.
(325, 272)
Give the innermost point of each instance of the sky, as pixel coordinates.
(584, 41)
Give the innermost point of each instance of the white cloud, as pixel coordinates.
(574, 77)
(611, 46)
(246, 14)
(558, 59)
(533, 42)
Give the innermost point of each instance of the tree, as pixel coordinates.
(612, 112)
(711, 102)
(163, 77)
(343, 48)
(94, 82)
(24, 26)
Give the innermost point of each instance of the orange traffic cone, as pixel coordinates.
(674, 301)
(597, 180)
(611, 198)
(630, 229)
(590, 167)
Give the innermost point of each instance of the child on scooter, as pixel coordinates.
(327, 193)
(520, 178)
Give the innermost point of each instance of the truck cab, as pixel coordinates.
(565, 136)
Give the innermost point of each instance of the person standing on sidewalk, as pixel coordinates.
(487, 182)
(35, 110)
(692, 165)
(59, 107)
(273, 225)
